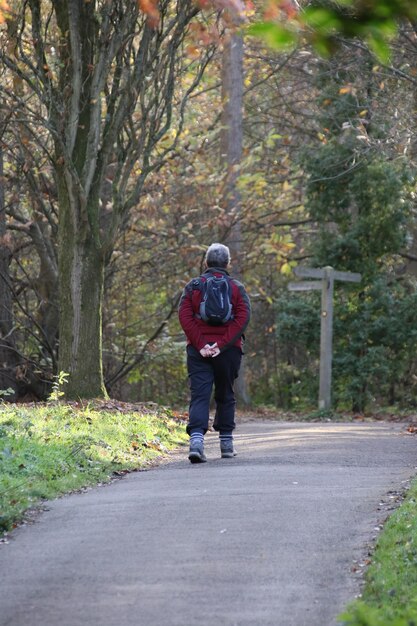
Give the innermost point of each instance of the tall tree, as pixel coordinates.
(231, 154)
(361, 201)
(7, 339)
(109, 79)
(232, 134)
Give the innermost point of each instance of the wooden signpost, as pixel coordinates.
(326, 276)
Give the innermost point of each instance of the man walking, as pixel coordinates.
(214, 312)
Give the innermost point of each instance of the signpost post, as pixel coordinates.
(327, 276)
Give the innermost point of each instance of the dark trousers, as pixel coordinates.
(203, 372)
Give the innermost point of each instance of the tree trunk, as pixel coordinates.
(411, 263)
(8, 357)
(81, 271)
(231, 154)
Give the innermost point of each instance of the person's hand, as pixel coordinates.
(210, 350)
(206, 350)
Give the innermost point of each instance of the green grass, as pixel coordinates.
(48, 450)
(389, 597)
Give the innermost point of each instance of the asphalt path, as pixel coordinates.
(270, 537)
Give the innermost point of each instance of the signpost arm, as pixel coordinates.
(326, 337)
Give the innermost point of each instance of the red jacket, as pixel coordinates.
(198, 332)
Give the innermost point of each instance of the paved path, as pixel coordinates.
(268, 538)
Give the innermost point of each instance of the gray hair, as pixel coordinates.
(218, 255)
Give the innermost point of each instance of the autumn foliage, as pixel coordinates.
(4, 10)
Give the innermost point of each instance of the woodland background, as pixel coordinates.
(323, 173)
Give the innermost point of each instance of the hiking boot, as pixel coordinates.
(227, 449)
(196, 454)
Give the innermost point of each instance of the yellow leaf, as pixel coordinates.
(4, 8)
(286, 269)
(289, 245)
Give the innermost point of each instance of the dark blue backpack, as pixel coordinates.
(216, 303)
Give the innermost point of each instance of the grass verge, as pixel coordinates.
(389, 597)
(52, 449)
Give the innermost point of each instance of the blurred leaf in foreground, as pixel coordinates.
(322, 22)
